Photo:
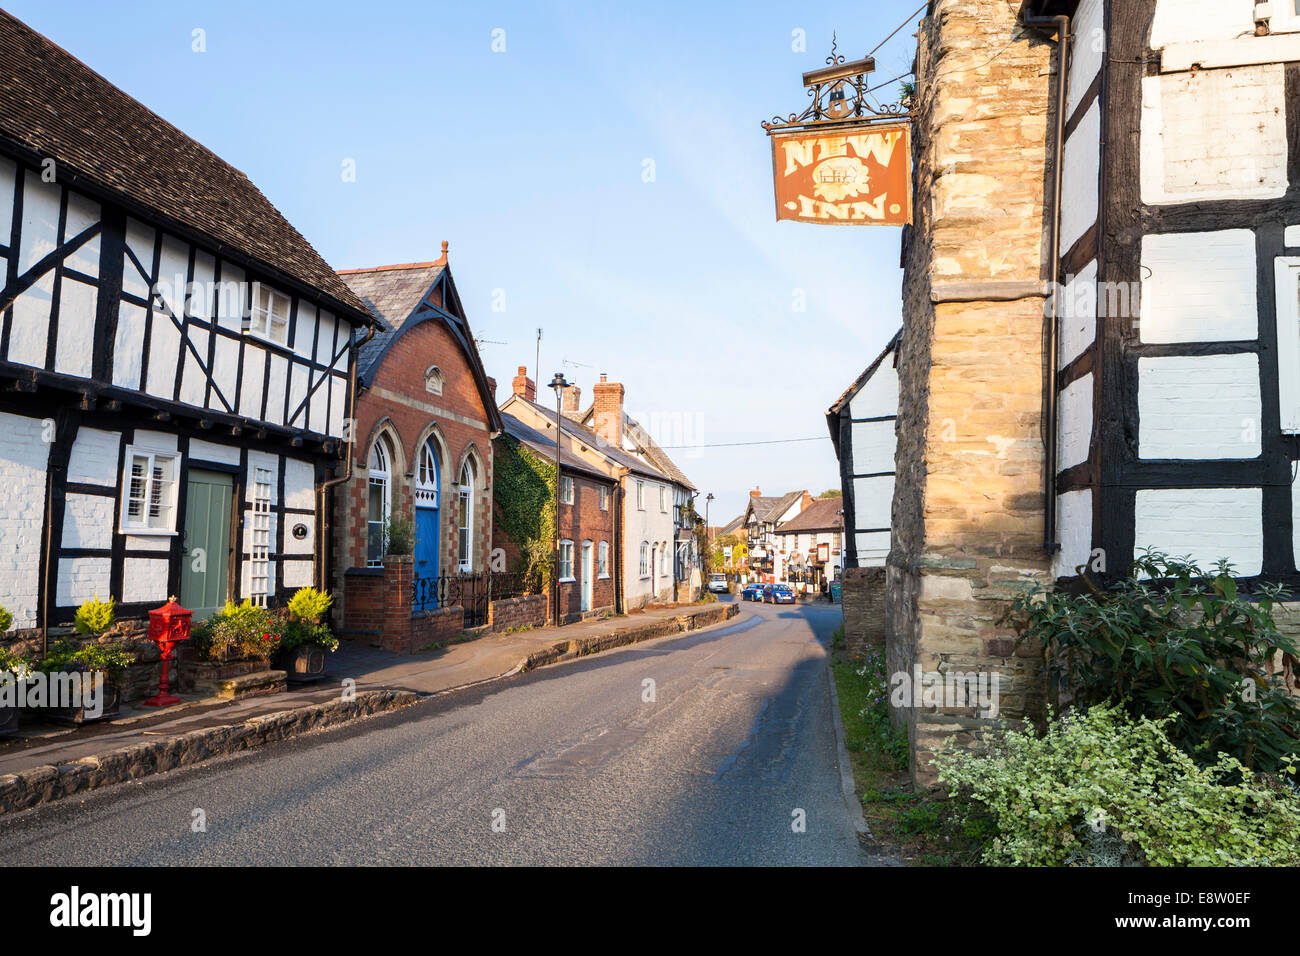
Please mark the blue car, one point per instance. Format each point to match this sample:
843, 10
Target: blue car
778, 594
753, 592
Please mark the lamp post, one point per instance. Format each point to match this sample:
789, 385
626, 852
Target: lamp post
559, 384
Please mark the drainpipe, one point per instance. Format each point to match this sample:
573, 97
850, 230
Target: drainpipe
326, 486
1060, 27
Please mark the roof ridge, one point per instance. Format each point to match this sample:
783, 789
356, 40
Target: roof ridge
403, 265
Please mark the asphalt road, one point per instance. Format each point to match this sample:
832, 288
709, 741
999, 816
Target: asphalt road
717, 762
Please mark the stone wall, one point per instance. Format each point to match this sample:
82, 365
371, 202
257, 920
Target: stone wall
862, 595
968, 503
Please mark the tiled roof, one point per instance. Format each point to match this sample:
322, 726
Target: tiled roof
732, 526
391, 293
53, 105
822, 515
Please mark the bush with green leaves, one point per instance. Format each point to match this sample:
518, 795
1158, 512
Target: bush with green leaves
1064, 797
298, 632
6, 620
95, 616
11, 662
238, 631
399, 536
1172, 639
308, 604
66, 656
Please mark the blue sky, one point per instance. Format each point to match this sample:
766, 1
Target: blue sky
532, 163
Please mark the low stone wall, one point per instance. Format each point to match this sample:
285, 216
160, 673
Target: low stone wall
862, 594
511, 614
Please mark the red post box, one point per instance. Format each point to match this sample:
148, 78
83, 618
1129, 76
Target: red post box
168, 625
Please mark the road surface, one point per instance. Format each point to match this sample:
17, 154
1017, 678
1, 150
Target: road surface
712, 748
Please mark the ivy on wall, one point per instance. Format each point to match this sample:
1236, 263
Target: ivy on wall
523, 491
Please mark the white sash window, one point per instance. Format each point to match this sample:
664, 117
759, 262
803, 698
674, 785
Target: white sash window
566, 561
465, 520
379, 504
602, 560
270, 316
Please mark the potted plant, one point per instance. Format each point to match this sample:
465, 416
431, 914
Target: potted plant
13, 671
87, 659
306, 636
239, 639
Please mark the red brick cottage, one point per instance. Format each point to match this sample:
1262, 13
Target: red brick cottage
425, 419
588, 527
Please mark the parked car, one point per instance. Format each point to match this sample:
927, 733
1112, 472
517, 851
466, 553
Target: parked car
778, 594
718, 583
753, 592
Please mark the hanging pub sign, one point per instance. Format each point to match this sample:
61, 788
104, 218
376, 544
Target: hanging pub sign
846, 160
855, 178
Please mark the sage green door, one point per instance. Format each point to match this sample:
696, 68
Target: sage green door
206, 561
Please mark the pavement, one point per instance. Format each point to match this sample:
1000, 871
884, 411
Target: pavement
716, 746
458, 665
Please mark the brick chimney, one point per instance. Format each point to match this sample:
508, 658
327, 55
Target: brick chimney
756, 493
807, 501
523, 386
492, 386
572, 398
607, 418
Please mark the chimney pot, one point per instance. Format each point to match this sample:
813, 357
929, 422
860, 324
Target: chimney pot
756, 493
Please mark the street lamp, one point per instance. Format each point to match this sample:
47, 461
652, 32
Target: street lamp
559, 384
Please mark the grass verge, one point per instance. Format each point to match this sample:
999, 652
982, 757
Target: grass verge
924, 829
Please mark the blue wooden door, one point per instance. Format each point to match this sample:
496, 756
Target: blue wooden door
426, 552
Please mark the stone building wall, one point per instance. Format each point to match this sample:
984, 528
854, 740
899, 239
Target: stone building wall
968, 504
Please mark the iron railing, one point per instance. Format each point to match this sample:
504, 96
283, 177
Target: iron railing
472, 592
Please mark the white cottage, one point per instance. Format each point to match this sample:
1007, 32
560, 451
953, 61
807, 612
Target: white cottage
175, 359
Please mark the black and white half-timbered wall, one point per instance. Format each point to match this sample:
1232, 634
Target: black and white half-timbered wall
1178, 404
175, 359
862, 423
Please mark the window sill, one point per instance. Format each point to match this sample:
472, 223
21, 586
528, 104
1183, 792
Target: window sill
147, 532
602, 577
567, 581
268, 340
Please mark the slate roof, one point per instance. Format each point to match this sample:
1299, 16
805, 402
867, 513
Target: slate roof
732, 526
391, 293
657, 456
53, 105
822, 515
543, 443
594, 441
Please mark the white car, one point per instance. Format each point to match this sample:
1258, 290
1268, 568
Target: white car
718, 583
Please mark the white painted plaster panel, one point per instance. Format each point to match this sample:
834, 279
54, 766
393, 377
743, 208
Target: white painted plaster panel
1076, 422
1205, 406
40, 235
874, 445
81, 579
94, 457
1082, 168
1189, 21
144, 579
1214, 134
298, 574
1199, 287
24, 455
74, 352
1078, 314
1205, 523
201, 450
87, 521
29, 332
128, 346
1086, 51
873, 499
1073, 531
299, 484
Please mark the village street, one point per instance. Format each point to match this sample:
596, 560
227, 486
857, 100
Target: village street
570, 761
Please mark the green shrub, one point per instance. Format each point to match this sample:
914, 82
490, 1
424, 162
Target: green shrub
307, 632
1171, 639
95, 616
238, 631
6, 620
66, 656
1103, 786
14, 663
400, 536
308, 604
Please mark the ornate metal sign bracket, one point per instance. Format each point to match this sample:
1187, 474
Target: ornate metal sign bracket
840, 97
